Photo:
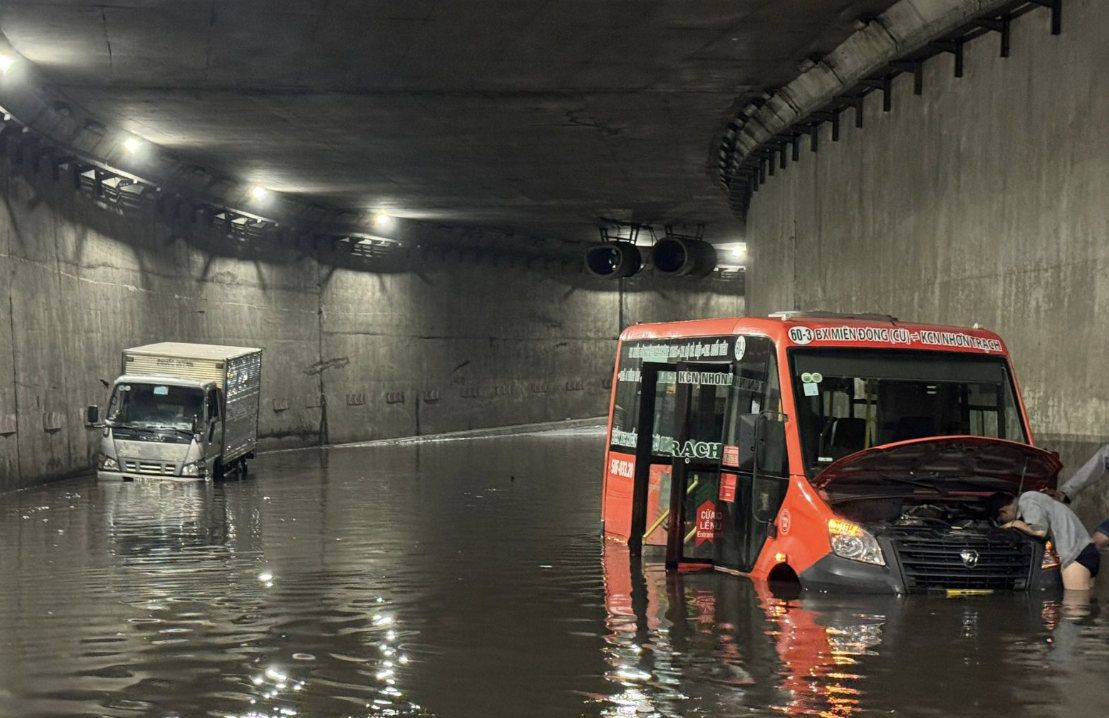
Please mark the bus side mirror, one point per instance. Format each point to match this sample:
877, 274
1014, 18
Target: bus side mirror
748, 441
92, 416
762, 443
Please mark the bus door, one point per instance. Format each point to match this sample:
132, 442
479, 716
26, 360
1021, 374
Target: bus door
695, 413
754, 475
652, 470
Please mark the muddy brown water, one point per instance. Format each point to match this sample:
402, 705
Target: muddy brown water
466, 578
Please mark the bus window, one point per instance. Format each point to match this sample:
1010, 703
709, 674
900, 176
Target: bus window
708, 401
625, 410
757, 387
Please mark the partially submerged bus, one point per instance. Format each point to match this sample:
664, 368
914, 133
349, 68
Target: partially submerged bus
848, 452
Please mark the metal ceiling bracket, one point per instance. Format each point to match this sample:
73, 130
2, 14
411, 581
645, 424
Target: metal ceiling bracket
782, 158
955, 47
1002, 25
856, 103
1056, 14
812, 129
917, 68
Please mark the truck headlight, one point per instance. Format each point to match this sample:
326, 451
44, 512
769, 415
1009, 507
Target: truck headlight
106, 463
851, 541
196, 468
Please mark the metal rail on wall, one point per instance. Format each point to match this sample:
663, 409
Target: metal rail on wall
743, 175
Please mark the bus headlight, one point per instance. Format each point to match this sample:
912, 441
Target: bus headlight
194, 469
851, 541
106, 463
1050, 559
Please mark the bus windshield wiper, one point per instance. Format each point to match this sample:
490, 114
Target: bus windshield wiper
914, 482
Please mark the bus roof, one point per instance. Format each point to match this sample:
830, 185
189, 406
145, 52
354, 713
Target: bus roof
825, 329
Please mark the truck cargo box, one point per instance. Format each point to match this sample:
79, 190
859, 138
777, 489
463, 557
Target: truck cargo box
237, 370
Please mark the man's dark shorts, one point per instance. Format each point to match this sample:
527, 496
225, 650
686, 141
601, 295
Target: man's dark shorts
1090, 558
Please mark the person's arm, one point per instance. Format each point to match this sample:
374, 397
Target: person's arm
1025, 528
1033, 520
1086, 474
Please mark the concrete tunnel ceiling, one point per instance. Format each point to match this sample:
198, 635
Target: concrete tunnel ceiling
543, 119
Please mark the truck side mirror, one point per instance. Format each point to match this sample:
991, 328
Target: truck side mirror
92, 415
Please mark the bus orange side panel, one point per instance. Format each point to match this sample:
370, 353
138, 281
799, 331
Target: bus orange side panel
802, 525
619, 480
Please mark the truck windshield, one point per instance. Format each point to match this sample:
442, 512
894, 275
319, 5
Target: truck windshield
155, 406
850, 399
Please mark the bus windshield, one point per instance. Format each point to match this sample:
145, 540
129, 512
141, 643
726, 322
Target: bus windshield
851, 399
155, 406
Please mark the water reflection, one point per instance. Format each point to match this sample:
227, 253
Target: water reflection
707, 643
162, 599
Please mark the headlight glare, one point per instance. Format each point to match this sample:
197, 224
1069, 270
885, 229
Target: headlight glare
106, 463
851, 541
196, 468
1050, 559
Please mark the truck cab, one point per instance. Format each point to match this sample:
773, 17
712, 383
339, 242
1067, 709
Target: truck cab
164, 427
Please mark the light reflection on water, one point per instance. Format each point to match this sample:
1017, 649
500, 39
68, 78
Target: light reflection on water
465, 578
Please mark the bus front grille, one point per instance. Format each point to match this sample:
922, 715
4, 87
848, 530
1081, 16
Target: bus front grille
973, 561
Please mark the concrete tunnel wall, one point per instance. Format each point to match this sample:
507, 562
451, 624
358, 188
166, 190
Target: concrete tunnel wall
421, 348
984, 200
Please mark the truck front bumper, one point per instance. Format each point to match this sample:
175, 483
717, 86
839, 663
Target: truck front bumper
102, 475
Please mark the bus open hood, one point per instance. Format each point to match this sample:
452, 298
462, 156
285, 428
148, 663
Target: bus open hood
945, 460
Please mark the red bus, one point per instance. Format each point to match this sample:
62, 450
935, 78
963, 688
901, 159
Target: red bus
848, 452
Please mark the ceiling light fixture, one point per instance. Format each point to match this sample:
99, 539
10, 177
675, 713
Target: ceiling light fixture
739, 251
6, 62
132, 145
382, 220
259, 193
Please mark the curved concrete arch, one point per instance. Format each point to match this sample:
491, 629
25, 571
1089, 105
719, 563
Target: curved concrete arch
62, 131
906, 27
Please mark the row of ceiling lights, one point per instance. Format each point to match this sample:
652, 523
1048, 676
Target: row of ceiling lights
134, 147
381, 220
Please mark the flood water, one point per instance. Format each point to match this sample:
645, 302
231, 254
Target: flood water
466, 578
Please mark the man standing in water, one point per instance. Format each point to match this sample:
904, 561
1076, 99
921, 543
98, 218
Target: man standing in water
1091, 471
1039, 515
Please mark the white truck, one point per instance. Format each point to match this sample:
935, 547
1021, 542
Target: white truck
183, 412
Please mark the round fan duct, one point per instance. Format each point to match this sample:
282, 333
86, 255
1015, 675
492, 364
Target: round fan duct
613, 260
683, 257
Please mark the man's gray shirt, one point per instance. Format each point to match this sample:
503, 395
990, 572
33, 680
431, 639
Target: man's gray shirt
1064, 530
